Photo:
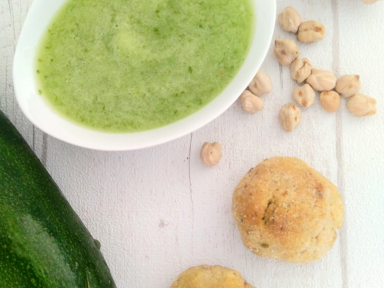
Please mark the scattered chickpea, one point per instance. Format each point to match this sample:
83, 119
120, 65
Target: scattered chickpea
322, 80
311, 32
348, 85
290, 20
304, 95
286, 51
250, 102
370, 1
210, 153
290, 117
261, 84
361, 105
330, 100
301, 70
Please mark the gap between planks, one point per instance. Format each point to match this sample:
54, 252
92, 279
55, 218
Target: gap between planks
339, 147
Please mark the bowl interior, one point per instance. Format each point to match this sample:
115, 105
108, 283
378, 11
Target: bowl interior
44, 117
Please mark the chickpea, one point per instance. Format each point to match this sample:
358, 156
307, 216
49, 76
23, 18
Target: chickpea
290, 20
304, 95
322, 80
330, 101
210, 153
290, 117
300, 70
311, 32
348, 85
251, 103
286, 51
362, 105
261, 84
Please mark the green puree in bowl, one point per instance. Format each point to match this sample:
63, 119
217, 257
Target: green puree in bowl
134, 65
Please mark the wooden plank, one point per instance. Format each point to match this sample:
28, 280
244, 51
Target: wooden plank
138, 204
12, 15
361, 52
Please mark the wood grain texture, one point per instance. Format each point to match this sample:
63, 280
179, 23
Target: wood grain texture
159, 211
363, 154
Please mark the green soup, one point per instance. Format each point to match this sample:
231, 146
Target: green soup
134, 65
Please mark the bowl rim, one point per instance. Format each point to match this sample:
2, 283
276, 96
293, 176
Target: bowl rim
46, 119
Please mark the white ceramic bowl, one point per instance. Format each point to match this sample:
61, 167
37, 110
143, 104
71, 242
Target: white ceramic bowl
44, 117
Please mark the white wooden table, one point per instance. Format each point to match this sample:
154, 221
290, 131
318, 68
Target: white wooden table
159, 211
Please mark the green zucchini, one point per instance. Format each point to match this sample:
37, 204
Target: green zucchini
43, 243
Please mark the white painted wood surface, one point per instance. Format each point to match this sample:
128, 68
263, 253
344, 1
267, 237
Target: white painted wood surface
159, 211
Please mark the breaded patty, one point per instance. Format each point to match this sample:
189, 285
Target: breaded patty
288, 211
205, 276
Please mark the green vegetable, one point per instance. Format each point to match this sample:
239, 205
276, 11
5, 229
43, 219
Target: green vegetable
43, 243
